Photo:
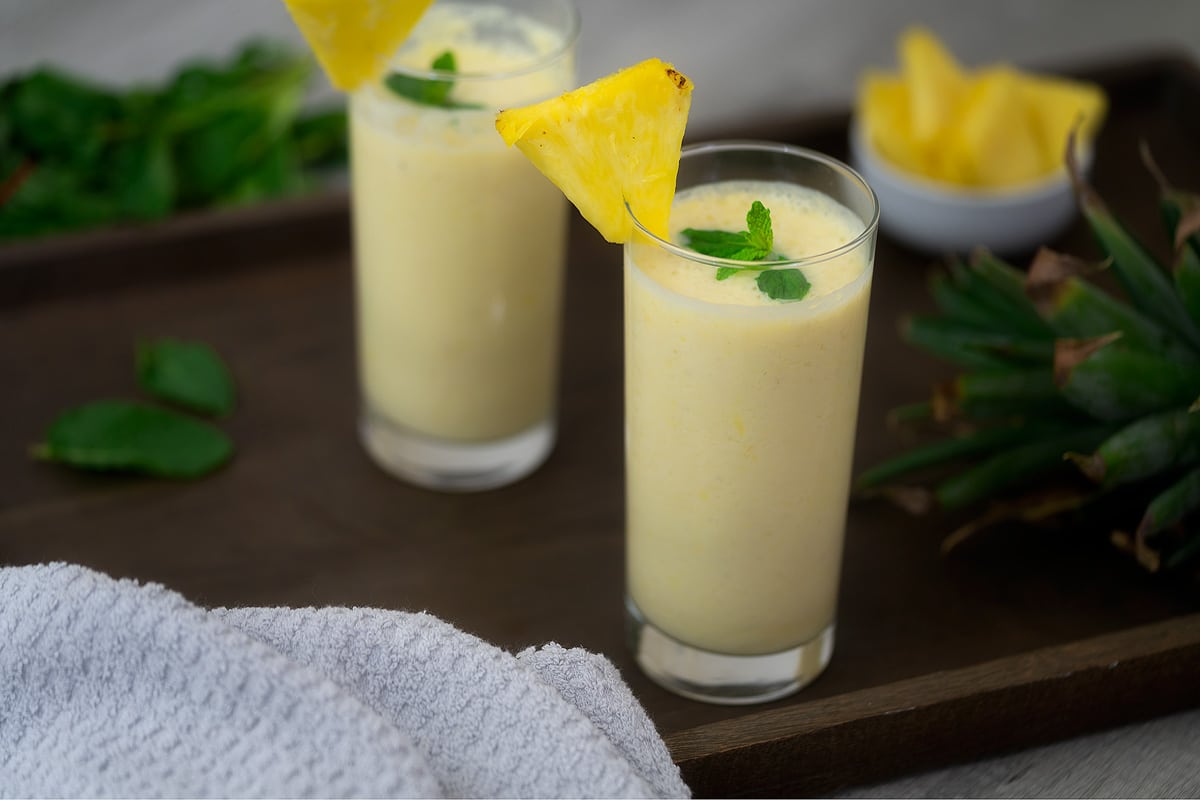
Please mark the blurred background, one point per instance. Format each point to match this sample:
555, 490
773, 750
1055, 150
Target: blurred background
747, 58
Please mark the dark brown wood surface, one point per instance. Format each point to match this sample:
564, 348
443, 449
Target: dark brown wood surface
1022, 637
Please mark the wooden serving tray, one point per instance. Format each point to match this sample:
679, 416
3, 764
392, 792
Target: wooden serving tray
1022, 637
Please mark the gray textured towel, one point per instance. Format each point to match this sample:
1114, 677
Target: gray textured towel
112, 688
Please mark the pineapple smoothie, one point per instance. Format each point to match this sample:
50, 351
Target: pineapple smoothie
743, 358
740, 423
459, 251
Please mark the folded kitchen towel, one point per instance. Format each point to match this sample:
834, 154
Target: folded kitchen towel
111, 688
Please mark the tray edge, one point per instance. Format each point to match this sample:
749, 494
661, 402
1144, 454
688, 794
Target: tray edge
951, 716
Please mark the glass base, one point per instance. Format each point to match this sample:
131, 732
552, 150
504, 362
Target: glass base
452, 466
724, 679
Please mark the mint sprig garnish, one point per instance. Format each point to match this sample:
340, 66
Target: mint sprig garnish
429, 91
752, 244
756, 243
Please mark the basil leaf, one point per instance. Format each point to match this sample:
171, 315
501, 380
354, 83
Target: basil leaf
783, 284
189, 374
114, 435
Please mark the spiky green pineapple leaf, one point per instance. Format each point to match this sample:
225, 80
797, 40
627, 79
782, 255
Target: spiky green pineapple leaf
1111, 382
1059, 378
1144, 280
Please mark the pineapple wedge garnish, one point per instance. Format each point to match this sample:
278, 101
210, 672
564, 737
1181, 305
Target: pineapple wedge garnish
611, 142
354, 39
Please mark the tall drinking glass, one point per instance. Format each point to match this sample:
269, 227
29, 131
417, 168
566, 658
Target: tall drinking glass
740, 422
459, 247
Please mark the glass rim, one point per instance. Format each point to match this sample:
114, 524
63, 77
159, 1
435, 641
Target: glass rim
570, 37
726, 145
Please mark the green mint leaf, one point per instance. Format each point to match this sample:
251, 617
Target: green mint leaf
753, 244
445, 62
719, 244
188, 374
726, 272
429, 91
418, 90
723, 244
783, 284
758, 224
114, 435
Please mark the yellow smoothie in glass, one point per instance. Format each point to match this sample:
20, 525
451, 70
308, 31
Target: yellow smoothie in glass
459, 249
740, 419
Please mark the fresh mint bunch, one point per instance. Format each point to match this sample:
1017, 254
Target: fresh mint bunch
756, 243
75, 155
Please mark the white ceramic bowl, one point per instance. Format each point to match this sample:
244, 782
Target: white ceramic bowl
939, 218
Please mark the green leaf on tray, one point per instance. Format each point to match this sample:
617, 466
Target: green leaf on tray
119, 436
188, 374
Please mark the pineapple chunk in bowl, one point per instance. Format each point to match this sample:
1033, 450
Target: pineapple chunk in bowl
938, 217
962, 156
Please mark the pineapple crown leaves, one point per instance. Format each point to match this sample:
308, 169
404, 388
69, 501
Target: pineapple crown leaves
1179, 208
1050, 274
1066, 385
1070, 354
1142, 278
